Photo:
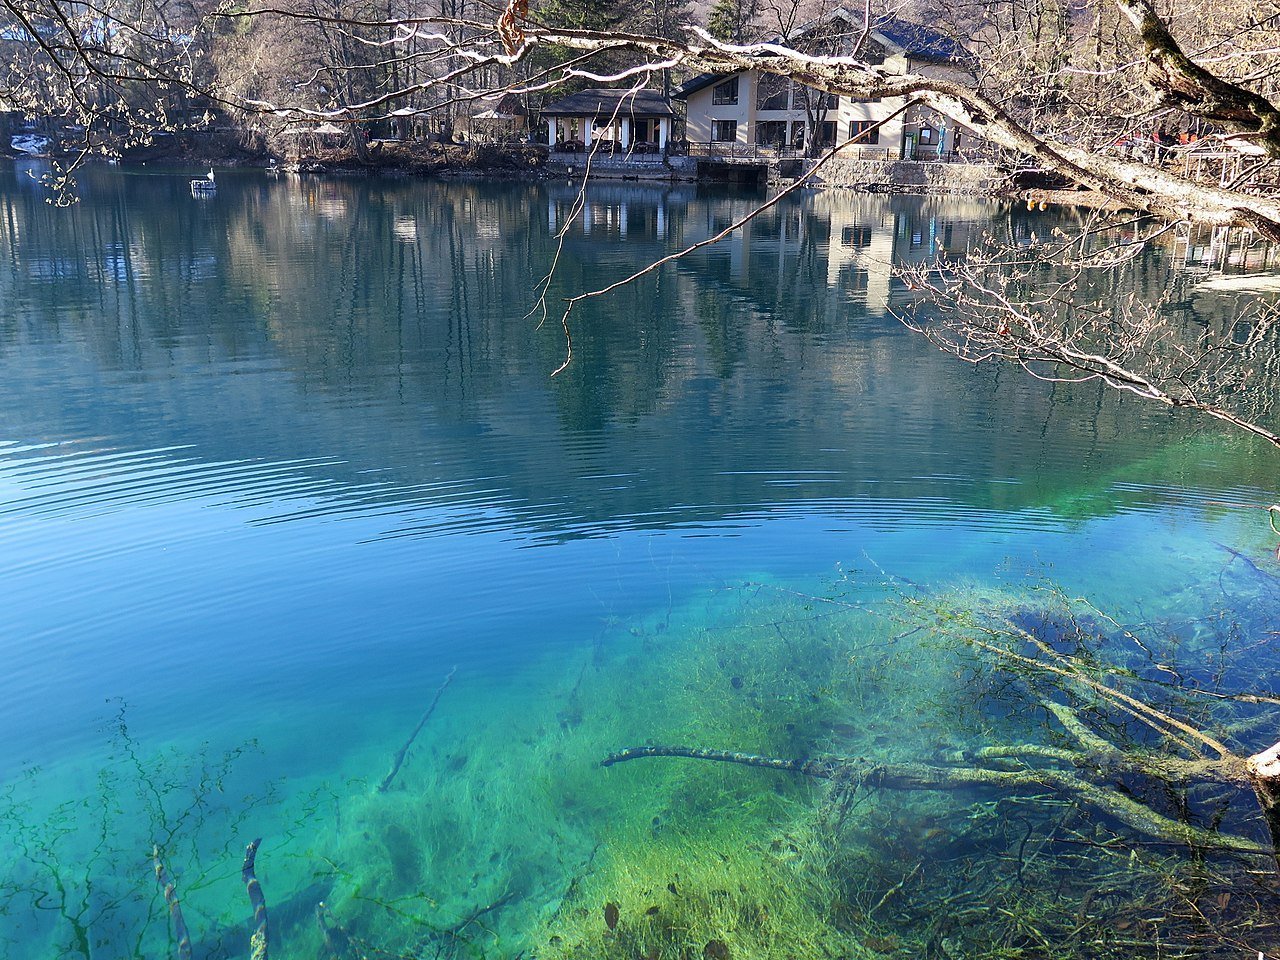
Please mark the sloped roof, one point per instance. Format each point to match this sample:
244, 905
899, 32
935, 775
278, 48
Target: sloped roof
606, 101
507, 107
915, 40
700, 82
918, 41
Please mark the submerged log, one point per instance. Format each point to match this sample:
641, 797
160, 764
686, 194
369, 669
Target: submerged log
258, 941
823, 769
175, 908
920, 776
291, 913
1264, 773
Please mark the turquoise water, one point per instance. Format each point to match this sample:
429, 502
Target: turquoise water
274, 463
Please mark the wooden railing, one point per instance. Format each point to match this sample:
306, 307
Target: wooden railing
610, 150
735, 150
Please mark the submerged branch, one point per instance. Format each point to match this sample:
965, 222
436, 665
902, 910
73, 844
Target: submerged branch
822, 769
919, 776
258, 941
398, 760
175, 908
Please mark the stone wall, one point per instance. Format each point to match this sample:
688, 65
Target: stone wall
911, 176
609, 168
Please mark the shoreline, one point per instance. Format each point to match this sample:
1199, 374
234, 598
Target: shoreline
533, 162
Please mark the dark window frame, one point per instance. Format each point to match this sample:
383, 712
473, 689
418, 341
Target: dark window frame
771, 133
718, 128
773, 92
725, 94
870, 133
815, 99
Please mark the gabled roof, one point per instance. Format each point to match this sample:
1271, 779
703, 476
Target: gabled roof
605, 101
508, 107
918, 41
913, 40
700, 82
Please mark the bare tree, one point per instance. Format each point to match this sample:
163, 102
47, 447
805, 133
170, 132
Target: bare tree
460, 52
1050, 307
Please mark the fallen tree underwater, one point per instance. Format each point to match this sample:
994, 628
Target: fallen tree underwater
1091, 770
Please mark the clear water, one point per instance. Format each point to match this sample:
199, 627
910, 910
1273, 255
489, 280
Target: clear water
273, 463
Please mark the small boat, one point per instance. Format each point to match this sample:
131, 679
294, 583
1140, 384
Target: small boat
204, 186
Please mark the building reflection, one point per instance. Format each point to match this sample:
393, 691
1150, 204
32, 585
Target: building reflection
387, 326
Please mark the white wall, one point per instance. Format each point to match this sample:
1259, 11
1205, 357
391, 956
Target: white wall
701, 111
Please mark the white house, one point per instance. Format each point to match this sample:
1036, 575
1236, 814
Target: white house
750, 109
634, 121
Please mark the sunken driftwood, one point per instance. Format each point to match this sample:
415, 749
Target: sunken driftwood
1086, 771
921, 776
258, 941
175, 908
398, 761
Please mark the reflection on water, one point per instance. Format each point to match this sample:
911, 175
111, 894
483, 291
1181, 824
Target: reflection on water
272, 463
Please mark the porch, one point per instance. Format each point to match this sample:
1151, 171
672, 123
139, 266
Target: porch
628, 124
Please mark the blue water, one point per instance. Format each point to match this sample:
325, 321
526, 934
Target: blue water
273, 463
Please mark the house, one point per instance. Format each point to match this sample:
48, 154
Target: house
626, 120
751, 111
504, 122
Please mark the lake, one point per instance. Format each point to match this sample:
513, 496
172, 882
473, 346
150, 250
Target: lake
301, 539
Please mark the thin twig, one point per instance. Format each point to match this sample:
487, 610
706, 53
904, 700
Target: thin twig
398, 761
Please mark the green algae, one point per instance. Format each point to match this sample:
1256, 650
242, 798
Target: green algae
513, 809
707, 893
503, 836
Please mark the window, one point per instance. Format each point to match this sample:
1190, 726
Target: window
816, 99
864, 131
771, 133
771, 92
724, 131
853, 279
725, 93
855, 236
827, 133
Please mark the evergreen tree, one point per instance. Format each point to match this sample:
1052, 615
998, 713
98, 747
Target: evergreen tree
730, 20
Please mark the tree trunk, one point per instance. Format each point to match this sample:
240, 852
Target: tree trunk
1264, 775
919, 776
